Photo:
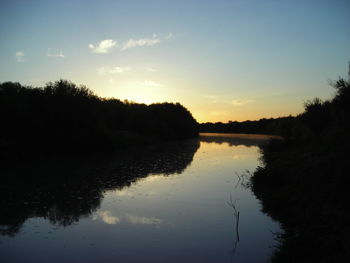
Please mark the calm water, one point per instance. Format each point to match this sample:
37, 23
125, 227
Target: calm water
159, 204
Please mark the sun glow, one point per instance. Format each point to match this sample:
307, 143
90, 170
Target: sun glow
146, 92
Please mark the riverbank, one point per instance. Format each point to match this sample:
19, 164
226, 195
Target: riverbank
303, 182
306, 192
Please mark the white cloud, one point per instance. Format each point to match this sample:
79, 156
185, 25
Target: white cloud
19, 56
241, 102
55, 55
106, 217
131, 43
104, 46
113, 70
149, 83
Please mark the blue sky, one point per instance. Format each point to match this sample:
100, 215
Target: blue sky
223, 60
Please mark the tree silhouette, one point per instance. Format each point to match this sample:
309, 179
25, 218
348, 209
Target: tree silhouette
64, 118
303, 183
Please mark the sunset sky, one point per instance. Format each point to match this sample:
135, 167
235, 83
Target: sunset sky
223, 60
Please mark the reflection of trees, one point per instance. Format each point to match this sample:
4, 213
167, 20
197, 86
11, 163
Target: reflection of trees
236, 139
67, 189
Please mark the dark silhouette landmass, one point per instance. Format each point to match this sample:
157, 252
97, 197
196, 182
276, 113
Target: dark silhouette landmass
64, 189
304, 182
277, 126
64, 118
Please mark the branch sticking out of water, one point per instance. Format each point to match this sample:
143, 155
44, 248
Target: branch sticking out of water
236, 214
239, 179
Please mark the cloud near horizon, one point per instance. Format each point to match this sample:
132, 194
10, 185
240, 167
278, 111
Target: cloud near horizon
113, 70
53, 55
104, 46
19, 56
242, 102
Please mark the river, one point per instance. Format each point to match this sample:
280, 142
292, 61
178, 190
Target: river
177, 202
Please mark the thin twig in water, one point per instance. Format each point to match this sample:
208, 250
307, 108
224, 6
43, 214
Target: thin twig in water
236, 214
239, 179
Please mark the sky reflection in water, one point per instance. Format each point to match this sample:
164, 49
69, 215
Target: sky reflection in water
179, 217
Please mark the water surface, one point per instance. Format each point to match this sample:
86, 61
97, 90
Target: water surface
166, 203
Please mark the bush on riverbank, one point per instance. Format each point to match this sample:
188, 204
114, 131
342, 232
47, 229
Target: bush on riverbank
303, 183
64, 118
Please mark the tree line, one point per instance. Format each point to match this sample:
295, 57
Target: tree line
319, 117
304, 181
62, 117
275, 126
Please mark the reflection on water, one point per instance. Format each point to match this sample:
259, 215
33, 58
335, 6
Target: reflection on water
162, 203
236, 139
65, 190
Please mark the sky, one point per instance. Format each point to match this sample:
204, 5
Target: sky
223, 60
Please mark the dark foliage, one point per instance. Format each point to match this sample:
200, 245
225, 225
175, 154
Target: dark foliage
65, 118
278, 126
304, 182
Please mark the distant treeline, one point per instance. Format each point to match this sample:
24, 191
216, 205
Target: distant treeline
63, 117
304, 182
277, 126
